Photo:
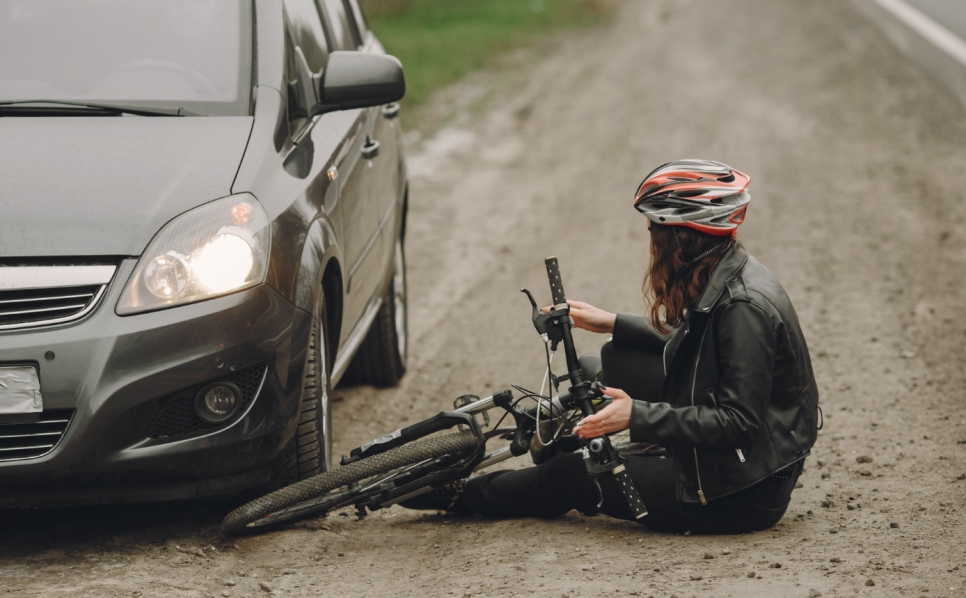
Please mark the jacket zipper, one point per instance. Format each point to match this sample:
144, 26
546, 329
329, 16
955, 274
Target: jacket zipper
694, 380
741, 455
664, 358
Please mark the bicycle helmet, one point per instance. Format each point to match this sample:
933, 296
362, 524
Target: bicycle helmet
707, 196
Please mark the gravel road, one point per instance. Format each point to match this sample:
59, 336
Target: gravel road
857, 166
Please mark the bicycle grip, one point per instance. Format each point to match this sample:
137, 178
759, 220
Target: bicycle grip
630, 492
556, 284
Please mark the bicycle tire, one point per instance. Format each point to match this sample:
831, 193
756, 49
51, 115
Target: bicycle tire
242, 520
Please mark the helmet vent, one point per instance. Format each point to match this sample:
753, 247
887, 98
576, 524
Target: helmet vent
728, 178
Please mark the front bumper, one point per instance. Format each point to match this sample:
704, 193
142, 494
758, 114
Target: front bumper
118, 373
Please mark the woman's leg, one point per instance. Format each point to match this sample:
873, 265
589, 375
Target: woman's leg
562, 484
756, 508
550, 489
637, 372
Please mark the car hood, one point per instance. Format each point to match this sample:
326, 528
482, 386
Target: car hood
89, 186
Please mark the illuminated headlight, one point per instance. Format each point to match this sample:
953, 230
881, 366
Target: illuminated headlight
218, 248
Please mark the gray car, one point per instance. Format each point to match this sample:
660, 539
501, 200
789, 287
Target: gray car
202, 210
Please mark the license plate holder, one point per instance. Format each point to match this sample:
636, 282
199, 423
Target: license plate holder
20, 392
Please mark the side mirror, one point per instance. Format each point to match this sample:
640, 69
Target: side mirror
358, 80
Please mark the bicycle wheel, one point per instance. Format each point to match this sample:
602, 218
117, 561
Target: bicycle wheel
330, 490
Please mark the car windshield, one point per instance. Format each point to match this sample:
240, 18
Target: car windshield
190, 54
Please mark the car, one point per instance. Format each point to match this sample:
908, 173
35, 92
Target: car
203, 228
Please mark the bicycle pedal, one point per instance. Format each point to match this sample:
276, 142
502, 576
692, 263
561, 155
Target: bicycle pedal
464, 400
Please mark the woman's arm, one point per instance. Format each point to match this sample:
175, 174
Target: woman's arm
591, 318
630, 330
745, 349
588, 317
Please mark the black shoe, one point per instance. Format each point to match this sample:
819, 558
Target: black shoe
441, 498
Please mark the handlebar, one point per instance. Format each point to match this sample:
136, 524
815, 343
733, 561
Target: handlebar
556, 283
600, 454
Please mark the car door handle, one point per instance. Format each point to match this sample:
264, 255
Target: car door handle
371, 149
391, 110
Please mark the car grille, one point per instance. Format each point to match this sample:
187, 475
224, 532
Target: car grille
33, 439
32, 296
178, 418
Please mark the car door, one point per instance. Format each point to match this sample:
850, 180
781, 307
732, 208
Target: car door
386, 133
346, 131
357, 156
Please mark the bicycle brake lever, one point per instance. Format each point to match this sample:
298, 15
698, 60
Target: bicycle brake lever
533, 302
539, 319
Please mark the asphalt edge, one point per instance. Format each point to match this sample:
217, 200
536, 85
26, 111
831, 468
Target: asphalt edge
937, 50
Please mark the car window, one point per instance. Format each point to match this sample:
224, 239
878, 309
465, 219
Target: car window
344, 38
191, 54
305, 26
359, 19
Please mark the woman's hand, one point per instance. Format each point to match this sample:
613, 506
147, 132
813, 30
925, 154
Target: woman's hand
612, 418
590, 318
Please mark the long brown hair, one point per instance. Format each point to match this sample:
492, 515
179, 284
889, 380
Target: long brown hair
682, 260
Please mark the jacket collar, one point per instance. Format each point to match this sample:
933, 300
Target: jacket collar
730, 264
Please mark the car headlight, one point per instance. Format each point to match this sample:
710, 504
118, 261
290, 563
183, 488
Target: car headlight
215, 249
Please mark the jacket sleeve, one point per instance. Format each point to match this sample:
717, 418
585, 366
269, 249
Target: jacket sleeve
746, 345
636, 332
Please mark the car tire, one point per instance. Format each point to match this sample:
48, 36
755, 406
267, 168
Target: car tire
310, 451
381, 359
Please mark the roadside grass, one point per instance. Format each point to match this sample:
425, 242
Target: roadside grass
441, 41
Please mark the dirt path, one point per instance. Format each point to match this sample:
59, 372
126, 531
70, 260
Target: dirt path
857, 163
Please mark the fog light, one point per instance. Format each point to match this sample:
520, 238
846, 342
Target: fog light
217, 403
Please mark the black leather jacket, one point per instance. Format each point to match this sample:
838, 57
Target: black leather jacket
741, 396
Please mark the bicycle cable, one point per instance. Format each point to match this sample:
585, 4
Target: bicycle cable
548, 375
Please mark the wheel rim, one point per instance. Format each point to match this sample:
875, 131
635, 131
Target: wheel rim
399, 300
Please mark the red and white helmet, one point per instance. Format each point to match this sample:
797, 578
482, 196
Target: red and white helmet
707, 196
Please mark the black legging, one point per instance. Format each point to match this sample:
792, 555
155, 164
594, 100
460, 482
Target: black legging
561, 483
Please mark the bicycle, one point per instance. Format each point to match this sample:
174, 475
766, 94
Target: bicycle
410, 461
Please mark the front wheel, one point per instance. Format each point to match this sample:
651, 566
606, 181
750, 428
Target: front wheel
310, 450
381, 359
344, 486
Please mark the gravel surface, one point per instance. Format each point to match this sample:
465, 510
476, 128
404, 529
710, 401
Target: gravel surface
857, 166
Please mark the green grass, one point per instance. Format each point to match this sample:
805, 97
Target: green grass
440, 41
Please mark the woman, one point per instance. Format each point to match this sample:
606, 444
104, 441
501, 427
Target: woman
719, 374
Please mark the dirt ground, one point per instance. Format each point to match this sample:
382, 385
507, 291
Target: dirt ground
857, 165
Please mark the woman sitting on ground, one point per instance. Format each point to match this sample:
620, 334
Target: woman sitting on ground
719, 374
